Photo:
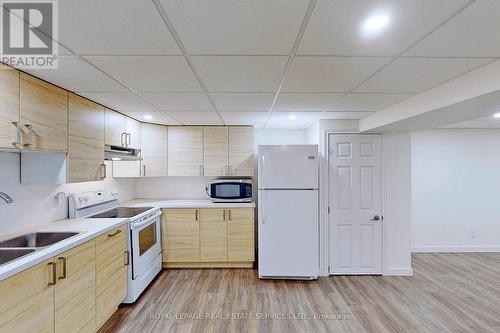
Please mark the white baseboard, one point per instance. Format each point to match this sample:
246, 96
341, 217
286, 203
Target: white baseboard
423, 249
398, 272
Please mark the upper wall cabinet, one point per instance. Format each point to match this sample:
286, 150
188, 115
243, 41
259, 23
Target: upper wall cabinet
241, 151
121, 130
154, 150
85, 140
185, 151
44, 115
115, 128
9, 107
215, 151
133, 133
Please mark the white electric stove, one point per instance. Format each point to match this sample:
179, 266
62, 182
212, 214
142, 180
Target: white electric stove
143, 238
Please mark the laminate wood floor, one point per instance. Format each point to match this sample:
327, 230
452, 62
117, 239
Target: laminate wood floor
453, 292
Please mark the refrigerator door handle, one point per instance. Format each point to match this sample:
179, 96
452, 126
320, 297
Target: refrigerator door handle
262, 208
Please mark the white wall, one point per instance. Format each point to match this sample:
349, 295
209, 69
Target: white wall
456, 190
34, 205
397, 204
278, 137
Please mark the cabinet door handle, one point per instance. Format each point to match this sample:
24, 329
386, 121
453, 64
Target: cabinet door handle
64, 263
229, 212
122, 142
144, 170
114, 233
224, 215
196, 215
127, 260
30, 135
104, 171
54, 273
201, 170
18, 134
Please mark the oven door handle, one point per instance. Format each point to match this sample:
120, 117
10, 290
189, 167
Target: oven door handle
140, 224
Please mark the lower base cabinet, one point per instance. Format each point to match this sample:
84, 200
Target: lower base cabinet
76, 291
208, 237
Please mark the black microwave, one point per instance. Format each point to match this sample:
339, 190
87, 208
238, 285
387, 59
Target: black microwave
230, 190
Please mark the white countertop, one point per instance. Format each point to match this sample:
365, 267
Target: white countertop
185, 203
88, 228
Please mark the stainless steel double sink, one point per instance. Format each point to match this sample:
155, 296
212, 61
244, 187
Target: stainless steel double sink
15, 248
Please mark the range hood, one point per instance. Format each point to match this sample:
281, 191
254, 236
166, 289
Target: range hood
117, 153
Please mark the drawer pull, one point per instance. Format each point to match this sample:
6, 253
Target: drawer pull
54, 273
64, 273
113, 234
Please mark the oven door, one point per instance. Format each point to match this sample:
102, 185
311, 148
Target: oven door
146, 244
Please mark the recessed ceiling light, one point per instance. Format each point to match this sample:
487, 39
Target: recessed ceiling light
497, 115
292, 117
148, 117
375, 24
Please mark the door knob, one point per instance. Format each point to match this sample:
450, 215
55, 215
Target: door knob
375, 218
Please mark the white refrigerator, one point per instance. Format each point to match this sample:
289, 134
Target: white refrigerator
288, 211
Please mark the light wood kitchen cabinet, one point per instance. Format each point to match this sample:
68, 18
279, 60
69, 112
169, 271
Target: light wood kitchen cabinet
154, 150
75, 290
241, 151
185, 151
27, 300
181, 235
208, 237
133, 133
85, 140
43, 115
240, 234
112, 260
215, 150
114, 128
9, 107
213, 235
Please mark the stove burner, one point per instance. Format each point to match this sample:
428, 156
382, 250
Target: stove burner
121, 212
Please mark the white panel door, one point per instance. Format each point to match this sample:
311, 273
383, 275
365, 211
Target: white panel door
292, 166
288, 233
355, 192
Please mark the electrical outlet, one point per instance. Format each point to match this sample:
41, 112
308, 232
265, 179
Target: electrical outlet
473, 234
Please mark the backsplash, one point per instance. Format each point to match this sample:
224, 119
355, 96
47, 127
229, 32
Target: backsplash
35, 205
172, 187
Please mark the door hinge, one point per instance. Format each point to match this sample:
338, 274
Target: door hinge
382, 217
328, 209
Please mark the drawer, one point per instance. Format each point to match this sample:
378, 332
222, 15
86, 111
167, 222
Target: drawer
111, 247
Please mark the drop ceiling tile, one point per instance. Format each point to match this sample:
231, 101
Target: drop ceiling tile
178, 101
472, 33
236, 27
149, 73
330, 74
156, 117
110, 27
240, 73
305, 101
368, 102
256, 119
242, 101
120, 101
196, 117
75, 74
283, 120
334, 28
414, 75
343, 115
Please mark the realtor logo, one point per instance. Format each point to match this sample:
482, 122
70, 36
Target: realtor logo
29, 31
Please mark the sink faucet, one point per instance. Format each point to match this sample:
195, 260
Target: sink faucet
6, 197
